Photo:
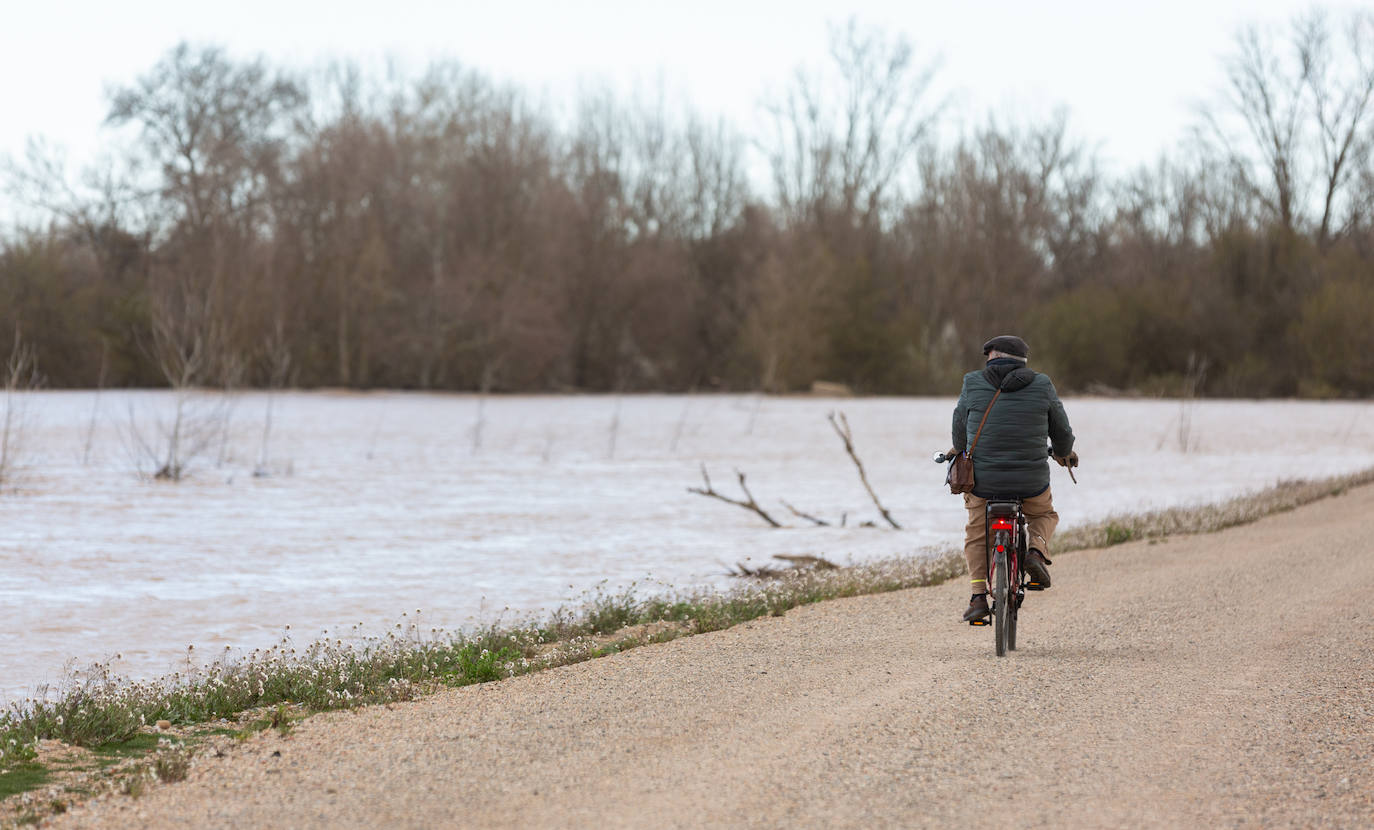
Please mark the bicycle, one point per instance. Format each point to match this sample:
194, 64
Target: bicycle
1008, 541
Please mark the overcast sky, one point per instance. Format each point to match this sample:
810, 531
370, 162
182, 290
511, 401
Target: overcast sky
1129, 73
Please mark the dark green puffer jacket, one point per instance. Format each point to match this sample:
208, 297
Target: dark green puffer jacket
1010, 457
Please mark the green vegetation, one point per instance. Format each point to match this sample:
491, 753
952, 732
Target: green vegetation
1116, 534
22, 777
140, 744
283, 684
172, 765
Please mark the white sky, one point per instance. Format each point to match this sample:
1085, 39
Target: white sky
1129, 73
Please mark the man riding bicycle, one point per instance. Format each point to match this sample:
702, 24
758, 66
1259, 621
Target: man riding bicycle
1009, 460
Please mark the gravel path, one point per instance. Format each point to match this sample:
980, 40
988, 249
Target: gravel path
1219, 680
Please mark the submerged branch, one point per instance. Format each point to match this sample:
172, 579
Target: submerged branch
751, 504
807, 516
841, 425
796, 563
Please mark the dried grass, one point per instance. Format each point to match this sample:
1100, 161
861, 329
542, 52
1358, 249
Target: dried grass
1282, 497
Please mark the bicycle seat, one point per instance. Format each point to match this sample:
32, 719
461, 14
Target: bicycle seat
1003, 508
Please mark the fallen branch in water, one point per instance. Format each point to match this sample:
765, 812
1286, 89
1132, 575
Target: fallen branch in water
796, 562
751, 504
803, 560
807, 516
761, 572
841, 425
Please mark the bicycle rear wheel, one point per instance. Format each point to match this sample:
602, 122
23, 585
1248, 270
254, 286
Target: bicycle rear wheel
1013, 610
1002, 608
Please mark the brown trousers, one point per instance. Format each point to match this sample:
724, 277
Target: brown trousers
1041, 520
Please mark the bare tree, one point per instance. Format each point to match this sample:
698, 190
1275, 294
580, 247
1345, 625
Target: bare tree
1298, 113
184, 344
1341, 87
1268, 97
843, 138
216, 131
214, 126
21, 375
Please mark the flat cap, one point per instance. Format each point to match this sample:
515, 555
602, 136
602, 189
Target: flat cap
1008, 344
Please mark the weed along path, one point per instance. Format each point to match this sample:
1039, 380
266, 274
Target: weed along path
1223, 679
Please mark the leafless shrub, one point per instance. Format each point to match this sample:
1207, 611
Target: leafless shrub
188, 346
21, 375
164, 446
1192, 383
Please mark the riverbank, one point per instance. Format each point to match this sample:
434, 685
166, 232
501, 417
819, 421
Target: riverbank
1205, 680
279, 686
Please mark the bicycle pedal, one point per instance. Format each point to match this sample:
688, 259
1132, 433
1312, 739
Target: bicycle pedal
983, 621
1034, 586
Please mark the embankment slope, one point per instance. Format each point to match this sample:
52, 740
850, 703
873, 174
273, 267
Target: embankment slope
1223, 679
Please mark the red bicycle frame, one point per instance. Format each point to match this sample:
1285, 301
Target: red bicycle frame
996, 545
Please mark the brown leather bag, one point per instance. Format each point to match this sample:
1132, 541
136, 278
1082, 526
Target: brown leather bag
960, 475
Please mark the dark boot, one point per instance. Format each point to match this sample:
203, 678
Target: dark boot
1037, 569
977, 608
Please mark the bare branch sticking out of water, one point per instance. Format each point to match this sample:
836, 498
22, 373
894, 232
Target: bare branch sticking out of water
21, 375
681, 423
795, 562
807, 516
710, 492
95, 406
166, 449
615, 430
754, 415
803, 560
479, 422
841, 425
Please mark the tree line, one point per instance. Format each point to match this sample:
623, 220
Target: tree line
251, 226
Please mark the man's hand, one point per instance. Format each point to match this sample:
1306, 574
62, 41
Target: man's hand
1071, 460
951, 453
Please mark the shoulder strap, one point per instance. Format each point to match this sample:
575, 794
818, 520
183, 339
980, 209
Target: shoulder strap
977, 434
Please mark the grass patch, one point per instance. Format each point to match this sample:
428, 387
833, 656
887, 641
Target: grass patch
23, 777
140, 744
1158, 524
1115, 534
284, 683
172, 765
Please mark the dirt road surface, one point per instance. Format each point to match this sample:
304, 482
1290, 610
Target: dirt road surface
1224, 680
